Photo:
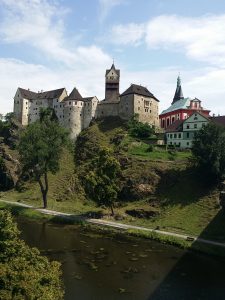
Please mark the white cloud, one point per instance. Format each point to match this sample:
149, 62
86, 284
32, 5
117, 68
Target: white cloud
16, 73
40, 24
200, 38
130, 34
106, 6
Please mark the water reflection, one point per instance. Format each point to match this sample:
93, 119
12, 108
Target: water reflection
96, 267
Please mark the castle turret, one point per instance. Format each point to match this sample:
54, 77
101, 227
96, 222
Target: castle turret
112, 84
178, 94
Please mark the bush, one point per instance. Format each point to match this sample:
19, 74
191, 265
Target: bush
209, 151
150, 148
24, 273
140, 130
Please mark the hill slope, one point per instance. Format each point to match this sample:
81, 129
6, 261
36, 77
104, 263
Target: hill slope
157, 189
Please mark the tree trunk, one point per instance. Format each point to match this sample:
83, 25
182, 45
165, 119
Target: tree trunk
44, 196
44, 189
112, 210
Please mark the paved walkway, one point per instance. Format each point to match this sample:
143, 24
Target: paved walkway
118, 225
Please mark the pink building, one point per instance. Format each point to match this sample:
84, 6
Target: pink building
181, 108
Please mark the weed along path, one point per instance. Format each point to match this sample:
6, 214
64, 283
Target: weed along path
117, 225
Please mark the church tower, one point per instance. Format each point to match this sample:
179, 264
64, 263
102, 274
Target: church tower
179, 93
112, 84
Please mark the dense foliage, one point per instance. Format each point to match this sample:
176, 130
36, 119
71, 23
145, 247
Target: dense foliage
40, 148
24, 274
5, 125
140, 130
209, 151
101, 182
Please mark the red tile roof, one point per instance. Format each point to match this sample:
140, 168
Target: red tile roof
176, 126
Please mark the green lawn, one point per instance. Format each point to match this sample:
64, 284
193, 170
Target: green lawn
141, 149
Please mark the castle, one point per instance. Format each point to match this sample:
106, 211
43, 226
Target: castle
76, 112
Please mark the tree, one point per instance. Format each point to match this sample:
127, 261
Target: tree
209, 151
24, 273
40, 149
101, 182
139, 129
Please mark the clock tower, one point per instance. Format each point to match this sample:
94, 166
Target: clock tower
112, 84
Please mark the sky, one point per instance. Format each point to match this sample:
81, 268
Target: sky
49, 44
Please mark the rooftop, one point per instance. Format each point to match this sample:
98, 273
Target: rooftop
219, 120
27, 94
175, 126
138, 90
180, 104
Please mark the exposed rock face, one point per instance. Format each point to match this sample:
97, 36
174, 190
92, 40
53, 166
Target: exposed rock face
9, 164
9, 169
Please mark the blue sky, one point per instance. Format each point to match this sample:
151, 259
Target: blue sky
48, 44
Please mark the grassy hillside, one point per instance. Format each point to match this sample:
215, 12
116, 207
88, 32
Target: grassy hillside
158, 188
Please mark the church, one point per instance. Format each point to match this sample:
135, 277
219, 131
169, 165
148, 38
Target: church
181, 108
76, 112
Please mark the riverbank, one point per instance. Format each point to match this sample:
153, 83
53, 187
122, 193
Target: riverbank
116, 228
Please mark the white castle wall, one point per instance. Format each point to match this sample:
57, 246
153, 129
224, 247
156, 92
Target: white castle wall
21, 108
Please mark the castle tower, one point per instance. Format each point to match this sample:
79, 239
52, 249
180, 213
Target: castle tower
178, 94
112, 84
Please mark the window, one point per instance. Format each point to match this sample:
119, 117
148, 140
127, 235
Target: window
171, 136
187, 143
179, 136
195, 126
188, 126
138, 108
175, 135
168, 135
70, 108
187, 135
146, 103
69, 103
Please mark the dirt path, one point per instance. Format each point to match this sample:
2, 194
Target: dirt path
119, 225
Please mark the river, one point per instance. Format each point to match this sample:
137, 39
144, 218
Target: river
97, 267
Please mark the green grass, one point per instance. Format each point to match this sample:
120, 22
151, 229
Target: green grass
141, 149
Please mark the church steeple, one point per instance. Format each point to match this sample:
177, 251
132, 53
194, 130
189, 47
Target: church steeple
178, 94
